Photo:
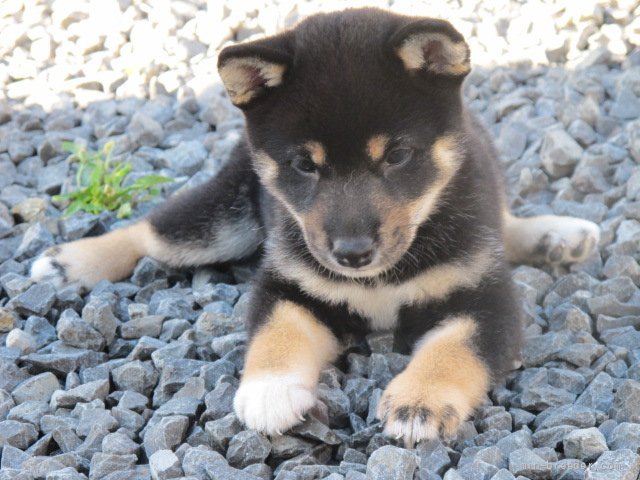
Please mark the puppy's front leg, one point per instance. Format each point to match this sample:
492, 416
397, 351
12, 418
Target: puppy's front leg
282, 367
444, 382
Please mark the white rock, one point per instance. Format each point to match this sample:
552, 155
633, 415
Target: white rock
164, 464
21, 340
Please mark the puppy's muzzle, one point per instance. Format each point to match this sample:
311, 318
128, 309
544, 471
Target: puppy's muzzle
353, 252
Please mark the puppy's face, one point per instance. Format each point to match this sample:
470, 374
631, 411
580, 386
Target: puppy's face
351, 118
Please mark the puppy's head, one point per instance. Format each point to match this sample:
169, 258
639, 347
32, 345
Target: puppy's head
352, 119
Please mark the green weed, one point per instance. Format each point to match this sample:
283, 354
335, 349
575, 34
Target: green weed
99, 183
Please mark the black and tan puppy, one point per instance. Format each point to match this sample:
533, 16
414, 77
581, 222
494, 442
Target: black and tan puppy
377, 197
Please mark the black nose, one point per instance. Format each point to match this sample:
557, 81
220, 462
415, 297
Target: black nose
353, 251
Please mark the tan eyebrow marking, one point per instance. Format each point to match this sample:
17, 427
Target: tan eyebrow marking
317, 152
376, 146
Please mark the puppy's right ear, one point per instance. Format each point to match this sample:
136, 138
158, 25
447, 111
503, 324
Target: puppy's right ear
252, 70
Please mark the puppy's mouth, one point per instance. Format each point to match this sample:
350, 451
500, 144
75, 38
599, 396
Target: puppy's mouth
375, 268
379, 264
359, 256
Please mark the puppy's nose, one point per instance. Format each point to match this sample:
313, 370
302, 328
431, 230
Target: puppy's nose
353, 252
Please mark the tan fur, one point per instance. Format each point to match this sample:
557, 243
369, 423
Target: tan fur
445, 154
411, 52
445, 377
376, 147
548, 239
111, 256
381, 304
459, 69
291, 340
317, 152
267, 169
237, 79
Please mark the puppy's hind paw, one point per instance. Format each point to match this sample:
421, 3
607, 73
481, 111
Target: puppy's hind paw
47, 268
87, 261
570, 240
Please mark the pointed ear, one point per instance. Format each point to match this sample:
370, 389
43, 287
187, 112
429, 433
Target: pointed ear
432, 46
251, 70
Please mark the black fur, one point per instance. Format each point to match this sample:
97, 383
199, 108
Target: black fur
229, 197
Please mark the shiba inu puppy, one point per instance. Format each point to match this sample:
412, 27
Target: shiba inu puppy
377, 198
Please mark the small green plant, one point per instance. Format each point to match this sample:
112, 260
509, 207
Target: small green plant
99, 183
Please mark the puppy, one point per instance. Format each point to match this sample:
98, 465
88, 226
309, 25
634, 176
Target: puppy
378, 201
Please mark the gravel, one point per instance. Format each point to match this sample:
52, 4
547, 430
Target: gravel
246, 448
391, 462
559, 153
618, 465
164, 464
585, 444
135, 380
38, 387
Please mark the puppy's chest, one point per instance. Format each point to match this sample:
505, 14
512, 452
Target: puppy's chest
378, 305
381, 304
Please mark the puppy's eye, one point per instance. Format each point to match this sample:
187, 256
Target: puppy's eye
398, 156
304, 165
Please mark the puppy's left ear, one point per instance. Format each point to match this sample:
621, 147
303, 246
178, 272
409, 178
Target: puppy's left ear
432, 47
252, 70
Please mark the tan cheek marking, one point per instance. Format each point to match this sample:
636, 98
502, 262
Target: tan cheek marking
376, 146
445, 379
291, 340
397, 214
445, 152
396, 231
311, 222
317, 152
267, 168
446, 156
313, 231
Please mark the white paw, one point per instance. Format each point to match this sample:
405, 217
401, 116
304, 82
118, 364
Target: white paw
272, 404
569, 240
84, 262
47, 268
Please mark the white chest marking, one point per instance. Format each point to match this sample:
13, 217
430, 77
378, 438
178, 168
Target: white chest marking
380, 304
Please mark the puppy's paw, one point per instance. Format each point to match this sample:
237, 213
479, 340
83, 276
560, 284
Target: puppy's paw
81, 262
415, 411
568, 240
52, 267
111, 256
272, 404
